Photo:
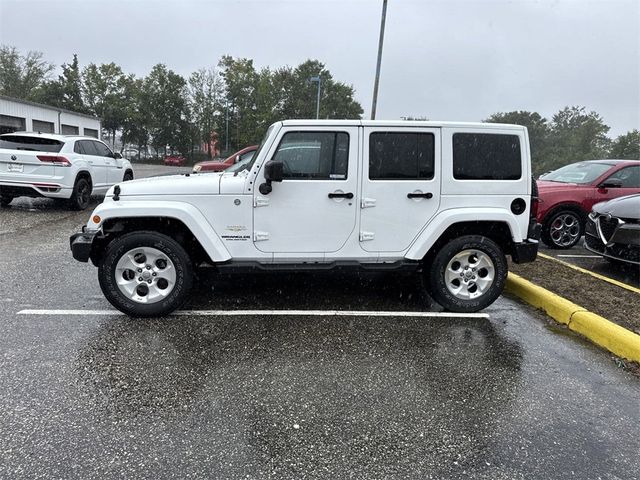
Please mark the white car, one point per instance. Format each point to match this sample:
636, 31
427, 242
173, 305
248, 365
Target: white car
448, 200
58, 166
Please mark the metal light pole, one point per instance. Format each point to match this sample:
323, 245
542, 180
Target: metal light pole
374, 104
319, 80
226, 134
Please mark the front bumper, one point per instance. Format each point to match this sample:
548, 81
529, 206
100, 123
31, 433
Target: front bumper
623, 244
82, 243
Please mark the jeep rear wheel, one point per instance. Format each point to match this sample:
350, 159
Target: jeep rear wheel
145, 274
467, 274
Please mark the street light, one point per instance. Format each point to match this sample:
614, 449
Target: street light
319, 80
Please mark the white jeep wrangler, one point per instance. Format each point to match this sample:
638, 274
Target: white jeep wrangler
449, 200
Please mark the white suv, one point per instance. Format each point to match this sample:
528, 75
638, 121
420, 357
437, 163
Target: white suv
448, 200
58, 166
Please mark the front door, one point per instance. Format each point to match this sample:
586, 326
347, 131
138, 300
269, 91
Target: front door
313, 210
400, 186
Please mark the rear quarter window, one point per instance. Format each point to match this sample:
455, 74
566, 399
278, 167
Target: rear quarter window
486, 156
33, 144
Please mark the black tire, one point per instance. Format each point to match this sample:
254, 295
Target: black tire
5, 199
127, 176
81, 195
562, 229
437, 280
169, 247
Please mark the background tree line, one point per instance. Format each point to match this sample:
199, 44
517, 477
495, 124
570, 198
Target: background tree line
238, 102
232, 103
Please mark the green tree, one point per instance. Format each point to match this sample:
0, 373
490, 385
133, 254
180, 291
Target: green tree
135, 124
627, 146
539, 134
164, 100
205, 90
104, 94
66, 91
22, 75
577, 135
255, 99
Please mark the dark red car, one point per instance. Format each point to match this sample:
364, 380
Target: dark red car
218, 166
567, 195
175, 160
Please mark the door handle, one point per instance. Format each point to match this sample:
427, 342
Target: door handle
341, 195
420, 195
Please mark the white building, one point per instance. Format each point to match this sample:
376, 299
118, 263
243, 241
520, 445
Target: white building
21, 115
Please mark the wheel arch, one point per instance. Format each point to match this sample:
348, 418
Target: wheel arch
84, 174
568, 205
182, 222
498, 224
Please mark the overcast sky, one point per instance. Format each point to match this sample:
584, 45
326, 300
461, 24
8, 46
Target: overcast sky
443, 59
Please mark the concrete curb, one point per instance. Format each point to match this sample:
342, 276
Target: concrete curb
618, 340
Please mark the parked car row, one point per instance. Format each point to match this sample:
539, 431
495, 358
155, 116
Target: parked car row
567, 195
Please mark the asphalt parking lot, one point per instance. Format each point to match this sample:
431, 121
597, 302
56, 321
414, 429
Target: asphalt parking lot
89, 393
583, 258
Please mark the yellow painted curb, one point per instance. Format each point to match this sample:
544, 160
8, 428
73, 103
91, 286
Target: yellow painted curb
555, 306
593, 274
618, 340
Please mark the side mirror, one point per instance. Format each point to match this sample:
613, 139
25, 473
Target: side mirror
273, 172
117, 156
611, 183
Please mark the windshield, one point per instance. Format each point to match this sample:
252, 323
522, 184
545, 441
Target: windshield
583, 172
255, 156
34, 144
241, 165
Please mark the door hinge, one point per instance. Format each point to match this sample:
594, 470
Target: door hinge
364, 236
367, 202
260, 236
260, 202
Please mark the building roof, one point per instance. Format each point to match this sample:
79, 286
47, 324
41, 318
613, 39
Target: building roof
48, 107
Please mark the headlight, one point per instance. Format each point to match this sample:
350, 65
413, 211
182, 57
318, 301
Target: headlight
197, 168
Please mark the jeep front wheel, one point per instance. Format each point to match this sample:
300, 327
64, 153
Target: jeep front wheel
145, 274
467, 274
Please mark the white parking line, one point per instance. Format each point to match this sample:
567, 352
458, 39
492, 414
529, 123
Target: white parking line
215, 313
579, 256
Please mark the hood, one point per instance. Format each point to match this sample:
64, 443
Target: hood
547, 186
622, 207
208, 184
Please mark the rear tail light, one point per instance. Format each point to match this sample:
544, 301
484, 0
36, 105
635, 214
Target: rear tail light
535, 203
55, 160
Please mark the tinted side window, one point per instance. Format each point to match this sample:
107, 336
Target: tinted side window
629, 176
314, 155
78, 147
88, 148
102, 149
401, 156
486, 156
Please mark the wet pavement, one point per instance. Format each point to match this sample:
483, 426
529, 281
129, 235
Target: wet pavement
268, 396
583, 258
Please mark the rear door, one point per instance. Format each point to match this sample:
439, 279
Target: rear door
106, 158
98, 168
400, 185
